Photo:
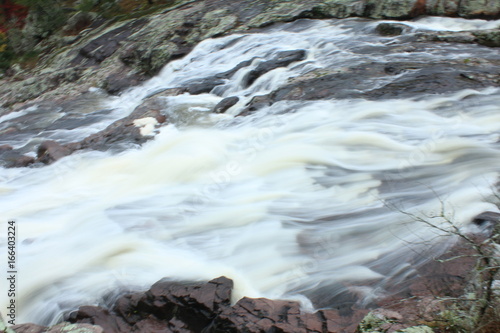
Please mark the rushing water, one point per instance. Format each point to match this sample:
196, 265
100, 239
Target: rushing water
290, 202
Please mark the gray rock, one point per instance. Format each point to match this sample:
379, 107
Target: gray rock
488, 37
225, 104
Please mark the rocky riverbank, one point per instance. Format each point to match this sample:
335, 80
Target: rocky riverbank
91, 52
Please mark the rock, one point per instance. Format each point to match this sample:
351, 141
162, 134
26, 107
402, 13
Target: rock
50, 151
118, 135
5, 148
94, 315
28, 328
390, 9
487, 9
488, 37
486, 217
204, 85
19, 161
435, 79
416, 79
282, 59
75, 328
338, 9
391, 29
256, 103
447, 36
59, 328
100, 48
442, 7
118, 82
188, 307
155, 103
78, 21
225, 104
217, 22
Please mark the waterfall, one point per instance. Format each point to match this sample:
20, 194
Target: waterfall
295, 201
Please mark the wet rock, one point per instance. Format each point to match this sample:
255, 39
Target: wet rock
118, 82
119, 134
204, 85
51, 151
391, 29
15, 159
95, 315
256, 103
282, 59
488, 37
206, 307
225, 104
435, 79
414, 79
5, 148
189, 307
486, 217
447, 36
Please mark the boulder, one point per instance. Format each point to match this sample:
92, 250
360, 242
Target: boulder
225, 104
102, 47
117, 82
14, 159
50, 151
391, 29
488, 37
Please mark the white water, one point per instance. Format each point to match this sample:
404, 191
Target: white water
289, 202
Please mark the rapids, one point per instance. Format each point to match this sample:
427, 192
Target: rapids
297, 201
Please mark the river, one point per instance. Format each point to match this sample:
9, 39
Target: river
300, 200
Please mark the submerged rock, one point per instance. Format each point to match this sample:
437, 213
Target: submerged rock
51, 151
282, 59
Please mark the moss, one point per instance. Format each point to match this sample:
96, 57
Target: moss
371, 323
